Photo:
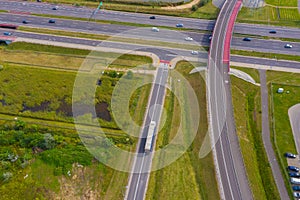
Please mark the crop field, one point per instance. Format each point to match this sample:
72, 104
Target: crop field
289, 3
189, 177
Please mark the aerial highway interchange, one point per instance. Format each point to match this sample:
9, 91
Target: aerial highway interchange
230, 170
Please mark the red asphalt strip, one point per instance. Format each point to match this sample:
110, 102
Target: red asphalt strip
226, 52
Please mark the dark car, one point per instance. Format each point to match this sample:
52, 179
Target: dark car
293, 168
296, 188
55, 8
38, 0
290, 155
272, 31
294, 174
25, 22
152, 17
7, 33
247, 39
51, 21
179, 25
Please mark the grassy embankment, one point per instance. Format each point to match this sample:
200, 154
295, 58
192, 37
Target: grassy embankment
247, 111
189, 177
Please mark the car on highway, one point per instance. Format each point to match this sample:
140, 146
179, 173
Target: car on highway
296, 188
294, 174
155, 29
25, 21
188, 39
289, 46
55, 8
179, 25
195, 52
51, 21
247, 39
272, 32
7, 33
293, 168
210, 37
152, 17
296, 194
289, 155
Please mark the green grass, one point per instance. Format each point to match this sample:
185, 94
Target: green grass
265, 55
269, 15
291, 3
189, 177
252, 72
247, 112
208, 11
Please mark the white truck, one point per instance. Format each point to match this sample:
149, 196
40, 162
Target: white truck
149, 139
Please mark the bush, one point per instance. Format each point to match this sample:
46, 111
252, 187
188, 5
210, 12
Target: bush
194, 8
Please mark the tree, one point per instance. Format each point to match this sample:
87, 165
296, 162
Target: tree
194, 8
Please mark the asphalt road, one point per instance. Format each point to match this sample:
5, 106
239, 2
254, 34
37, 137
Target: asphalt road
158, 51
164, 35
266, 136
82, 12
232, 178
138, 180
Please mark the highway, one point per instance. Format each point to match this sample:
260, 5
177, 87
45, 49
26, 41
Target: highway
158, 51
231, 173
164, 35
170, 21
138, 180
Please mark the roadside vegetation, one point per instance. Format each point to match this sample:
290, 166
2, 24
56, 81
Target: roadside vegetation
265, 55
46, 163
41, 154
247, 111
189, 177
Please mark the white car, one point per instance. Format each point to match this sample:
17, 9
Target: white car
155, 29
288, 46
195, 52
188, 39
297, 194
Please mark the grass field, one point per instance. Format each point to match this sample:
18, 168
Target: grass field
290, 3
266, 55
270, 15
189, 177
247, 112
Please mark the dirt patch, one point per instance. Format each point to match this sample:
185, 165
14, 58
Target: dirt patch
82, 109
43, 107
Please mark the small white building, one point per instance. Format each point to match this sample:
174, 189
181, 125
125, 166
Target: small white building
280, 90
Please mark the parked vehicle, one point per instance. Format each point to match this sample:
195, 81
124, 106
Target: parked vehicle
293, 168
290, 155
295, 181
294, 174
296, 187
296, 194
